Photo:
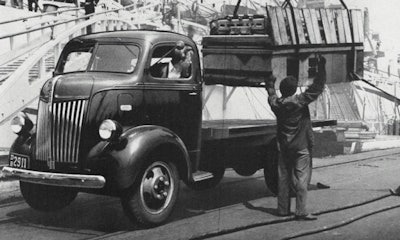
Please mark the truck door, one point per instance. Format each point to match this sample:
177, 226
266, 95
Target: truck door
173, 92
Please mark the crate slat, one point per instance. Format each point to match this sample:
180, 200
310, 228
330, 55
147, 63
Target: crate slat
291, 26
317, 31
355, 26
282, 26
325, 24
361, 25
332, 27
299, 25
275, 26
340, 24
346, 24
309, 26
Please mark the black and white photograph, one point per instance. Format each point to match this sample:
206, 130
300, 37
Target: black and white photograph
199, 119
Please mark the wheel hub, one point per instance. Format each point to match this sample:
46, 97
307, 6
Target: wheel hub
156, 187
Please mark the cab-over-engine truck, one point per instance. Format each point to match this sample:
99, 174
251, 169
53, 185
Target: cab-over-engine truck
110, 123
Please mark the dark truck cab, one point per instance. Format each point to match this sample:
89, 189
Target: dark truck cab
111, 122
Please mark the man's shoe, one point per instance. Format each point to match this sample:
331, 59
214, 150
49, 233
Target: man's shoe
308, 217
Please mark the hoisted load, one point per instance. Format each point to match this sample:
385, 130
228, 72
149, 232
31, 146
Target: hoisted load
243, 50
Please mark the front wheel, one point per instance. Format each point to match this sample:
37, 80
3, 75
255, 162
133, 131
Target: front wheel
46, 198
151, 201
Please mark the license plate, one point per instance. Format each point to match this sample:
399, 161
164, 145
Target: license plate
19, 161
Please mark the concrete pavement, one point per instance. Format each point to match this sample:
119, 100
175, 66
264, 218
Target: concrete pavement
239, 216
250, 213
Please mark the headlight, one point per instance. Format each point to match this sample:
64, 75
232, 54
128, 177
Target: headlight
21, 124
110, 130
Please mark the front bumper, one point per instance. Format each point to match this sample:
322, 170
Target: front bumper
55, 179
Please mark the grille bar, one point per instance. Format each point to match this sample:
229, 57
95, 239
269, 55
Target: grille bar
59, 130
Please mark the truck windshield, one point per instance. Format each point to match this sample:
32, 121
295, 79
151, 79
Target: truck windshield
103, 58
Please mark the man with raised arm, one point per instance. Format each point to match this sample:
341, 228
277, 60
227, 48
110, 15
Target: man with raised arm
294, 138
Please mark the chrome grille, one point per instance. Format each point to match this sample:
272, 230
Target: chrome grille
59, 131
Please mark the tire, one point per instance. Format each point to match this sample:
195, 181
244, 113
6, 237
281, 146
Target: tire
151, 200
271, 174
46, 198
218, 173
271, 167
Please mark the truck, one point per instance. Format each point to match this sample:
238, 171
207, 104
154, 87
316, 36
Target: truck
111, 122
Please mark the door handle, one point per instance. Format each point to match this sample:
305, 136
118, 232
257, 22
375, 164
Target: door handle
193, 94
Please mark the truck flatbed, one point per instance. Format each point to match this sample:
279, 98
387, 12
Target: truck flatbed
235, 128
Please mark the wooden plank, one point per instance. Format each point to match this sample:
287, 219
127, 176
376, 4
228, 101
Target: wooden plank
355, 26
340, 24
360, 18
299, 25
291, 26
309, 26
326, 25
282, 26
275, 26
317, 31
346, 23
332, 27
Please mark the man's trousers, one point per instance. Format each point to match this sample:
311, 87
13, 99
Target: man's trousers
294, 171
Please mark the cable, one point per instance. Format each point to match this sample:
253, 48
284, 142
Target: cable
341, 224
291, 218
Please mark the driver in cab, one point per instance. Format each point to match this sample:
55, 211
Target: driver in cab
178, 67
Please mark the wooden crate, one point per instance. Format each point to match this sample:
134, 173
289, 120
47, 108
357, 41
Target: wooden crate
291, 34
315, 26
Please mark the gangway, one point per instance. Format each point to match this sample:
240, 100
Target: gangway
31, 72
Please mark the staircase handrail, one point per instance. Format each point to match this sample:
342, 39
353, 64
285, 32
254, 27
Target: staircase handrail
41, 15
64, 22
19, 79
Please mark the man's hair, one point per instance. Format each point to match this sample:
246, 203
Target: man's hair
177, 56
288, 86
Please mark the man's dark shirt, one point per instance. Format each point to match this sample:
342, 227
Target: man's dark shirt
293, 116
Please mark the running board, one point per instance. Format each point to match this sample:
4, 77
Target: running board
202, 175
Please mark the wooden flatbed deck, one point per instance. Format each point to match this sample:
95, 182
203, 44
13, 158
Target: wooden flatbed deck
234, 128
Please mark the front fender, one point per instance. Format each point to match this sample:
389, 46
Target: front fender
23, 144
128, 157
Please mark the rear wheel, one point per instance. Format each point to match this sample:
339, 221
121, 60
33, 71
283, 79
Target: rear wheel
151, 201
271, 174
46, 198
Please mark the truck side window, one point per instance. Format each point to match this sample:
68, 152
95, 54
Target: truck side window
171, 63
